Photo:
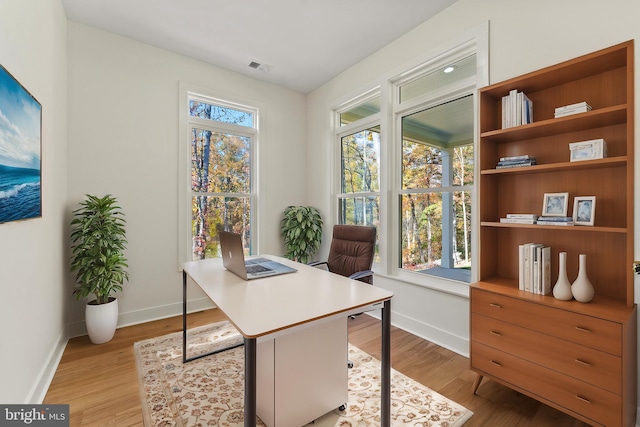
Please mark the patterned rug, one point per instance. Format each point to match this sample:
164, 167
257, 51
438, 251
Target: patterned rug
210, 391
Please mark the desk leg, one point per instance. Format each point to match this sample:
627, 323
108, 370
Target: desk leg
184, 317
385, 376
186, 359
250, 377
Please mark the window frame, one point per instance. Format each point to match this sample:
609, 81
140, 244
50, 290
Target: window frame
449, 93
361, 125
185, 193
475, 41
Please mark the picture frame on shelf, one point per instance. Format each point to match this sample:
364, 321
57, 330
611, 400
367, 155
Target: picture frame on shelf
588, 150
584, 210
555, 204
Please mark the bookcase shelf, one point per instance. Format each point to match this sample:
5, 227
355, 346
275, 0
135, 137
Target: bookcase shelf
557, 228
589, 120
561, 166
547, 371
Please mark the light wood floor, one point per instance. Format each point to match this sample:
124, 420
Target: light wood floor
100, 382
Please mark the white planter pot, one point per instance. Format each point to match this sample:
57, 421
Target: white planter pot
101, 320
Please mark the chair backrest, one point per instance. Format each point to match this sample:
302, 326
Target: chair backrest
352, 249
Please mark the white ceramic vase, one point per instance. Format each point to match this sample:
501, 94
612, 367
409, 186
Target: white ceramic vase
101, 320
582, 289
562, 288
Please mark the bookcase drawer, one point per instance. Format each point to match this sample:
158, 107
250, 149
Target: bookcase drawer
590, 365
581, 329
557, 389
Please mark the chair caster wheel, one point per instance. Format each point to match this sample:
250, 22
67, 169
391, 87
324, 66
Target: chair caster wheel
342, 407
349, 364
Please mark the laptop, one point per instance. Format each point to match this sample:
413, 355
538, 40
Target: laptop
253, 268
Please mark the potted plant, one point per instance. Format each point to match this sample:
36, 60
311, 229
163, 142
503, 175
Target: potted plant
301, 228
97, 257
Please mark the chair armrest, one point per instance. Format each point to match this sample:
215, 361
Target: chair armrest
317, 263
361, 274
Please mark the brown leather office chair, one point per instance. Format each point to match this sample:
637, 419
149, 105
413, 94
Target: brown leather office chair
351, 255
351, 252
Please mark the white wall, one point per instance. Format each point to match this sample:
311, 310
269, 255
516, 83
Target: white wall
32, 253
123, 140
122, 135
524, 36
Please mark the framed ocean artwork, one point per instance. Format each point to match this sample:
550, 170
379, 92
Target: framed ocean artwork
20, 151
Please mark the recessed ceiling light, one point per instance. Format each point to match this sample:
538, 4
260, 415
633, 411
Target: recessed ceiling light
449, 69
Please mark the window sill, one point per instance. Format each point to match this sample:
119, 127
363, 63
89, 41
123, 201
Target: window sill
430, 281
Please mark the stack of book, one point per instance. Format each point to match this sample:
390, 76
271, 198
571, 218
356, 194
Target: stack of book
555, 220
517, 109
567, 110
534, 263
520, 218
516, 161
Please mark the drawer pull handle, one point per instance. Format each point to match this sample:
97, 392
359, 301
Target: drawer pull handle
493, 362
495, 333
584, 399
493, 304
581, 329
582, 362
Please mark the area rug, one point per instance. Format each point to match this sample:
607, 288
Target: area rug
210, 391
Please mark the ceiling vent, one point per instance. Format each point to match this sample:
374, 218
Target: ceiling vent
258, 66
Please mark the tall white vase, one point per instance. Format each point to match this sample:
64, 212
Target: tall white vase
562, 288
582, 289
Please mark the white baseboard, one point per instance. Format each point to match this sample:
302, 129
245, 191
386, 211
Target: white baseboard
430, 333
163, 312
76, 329
41, 386
79, 328
435, 335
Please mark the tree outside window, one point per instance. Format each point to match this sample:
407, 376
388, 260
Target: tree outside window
221, 175
359, 201
435, 199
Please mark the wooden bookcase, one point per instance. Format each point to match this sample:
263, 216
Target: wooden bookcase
577, 357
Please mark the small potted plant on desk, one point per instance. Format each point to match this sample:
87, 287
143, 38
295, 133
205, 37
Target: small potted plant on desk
301, 229
97, 258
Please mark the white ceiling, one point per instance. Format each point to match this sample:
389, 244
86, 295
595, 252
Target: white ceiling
305, 43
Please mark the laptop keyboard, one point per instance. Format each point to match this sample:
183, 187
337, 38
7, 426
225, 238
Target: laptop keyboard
256, 268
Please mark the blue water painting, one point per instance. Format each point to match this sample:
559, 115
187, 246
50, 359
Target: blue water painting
19, 193
20, 145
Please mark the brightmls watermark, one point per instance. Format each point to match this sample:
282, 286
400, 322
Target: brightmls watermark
34, 415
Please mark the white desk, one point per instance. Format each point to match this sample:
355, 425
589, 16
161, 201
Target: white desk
275, 306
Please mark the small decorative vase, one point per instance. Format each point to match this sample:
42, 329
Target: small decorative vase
562, 288
582, 289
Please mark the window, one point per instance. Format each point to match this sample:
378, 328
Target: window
360, 179
359, 192
360, 111
406, 165
221, 192
435, 114
435, 198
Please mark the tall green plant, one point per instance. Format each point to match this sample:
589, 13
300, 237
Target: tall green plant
301, 229
98, 242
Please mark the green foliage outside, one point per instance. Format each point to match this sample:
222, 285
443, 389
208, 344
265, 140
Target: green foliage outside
421, 207
422, 216
98, 241
221, 164
301, 229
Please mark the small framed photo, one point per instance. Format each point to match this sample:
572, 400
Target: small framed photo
584, 210
588, 150
555, 204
